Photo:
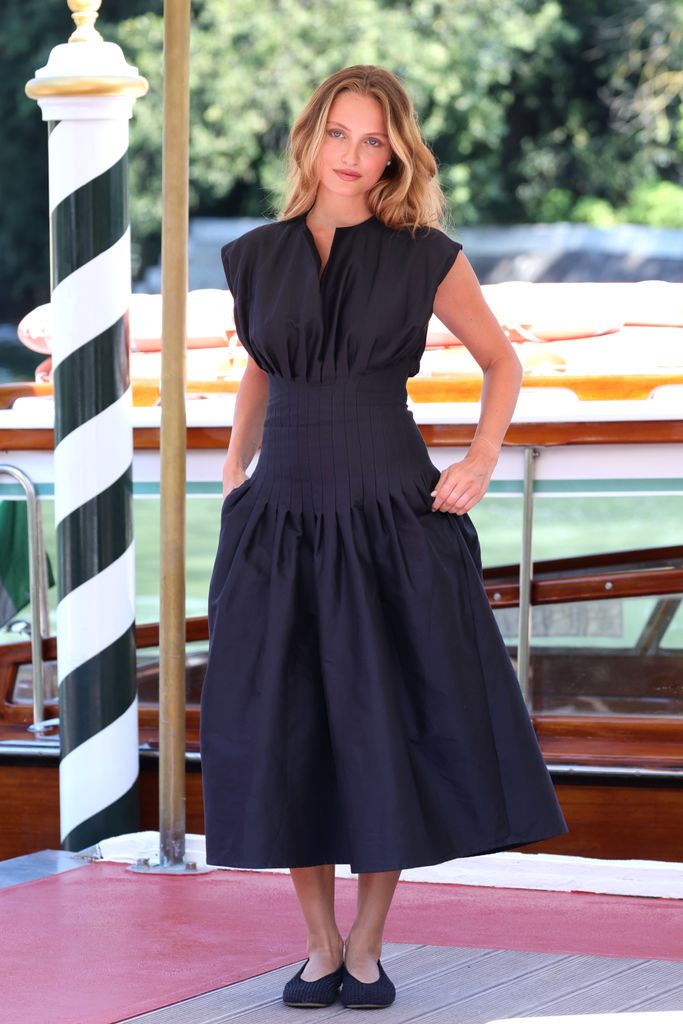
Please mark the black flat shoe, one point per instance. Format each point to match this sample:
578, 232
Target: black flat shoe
367, 995
321, 992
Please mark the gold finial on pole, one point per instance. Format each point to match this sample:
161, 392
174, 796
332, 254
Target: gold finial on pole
85, 13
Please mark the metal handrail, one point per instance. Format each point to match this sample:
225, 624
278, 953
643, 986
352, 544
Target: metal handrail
525, 572
38, 593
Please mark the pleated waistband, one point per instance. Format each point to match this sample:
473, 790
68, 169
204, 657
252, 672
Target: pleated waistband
341, 396
331, 444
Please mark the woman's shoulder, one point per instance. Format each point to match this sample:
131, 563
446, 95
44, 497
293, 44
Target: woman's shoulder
426, 242
416, 235
425, 254
243, 254
422, 234
262, 234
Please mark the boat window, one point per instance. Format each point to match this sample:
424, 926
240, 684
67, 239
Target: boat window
620, 657
147, 677
195, 668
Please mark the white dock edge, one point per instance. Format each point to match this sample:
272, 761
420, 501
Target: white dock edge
649, 1017
505, 870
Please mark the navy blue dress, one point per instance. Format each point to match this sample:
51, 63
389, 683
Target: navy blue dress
359, 705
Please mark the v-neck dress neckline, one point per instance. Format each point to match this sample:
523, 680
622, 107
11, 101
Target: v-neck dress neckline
339, 230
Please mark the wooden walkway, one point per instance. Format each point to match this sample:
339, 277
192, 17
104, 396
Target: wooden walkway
451, 985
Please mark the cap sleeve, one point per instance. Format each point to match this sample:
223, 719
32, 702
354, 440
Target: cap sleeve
443, 254
226, 259
232, 258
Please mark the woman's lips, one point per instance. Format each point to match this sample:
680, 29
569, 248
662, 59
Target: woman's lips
347, 175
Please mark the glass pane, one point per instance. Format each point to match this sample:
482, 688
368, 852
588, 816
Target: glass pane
195, 668
147, 676
621, 656
568, 526
202, 523
202, 528
673, 634
499, 524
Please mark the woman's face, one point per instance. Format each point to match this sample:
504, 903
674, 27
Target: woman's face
355, 141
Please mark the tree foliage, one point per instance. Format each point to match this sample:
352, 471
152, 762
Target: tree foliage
535, 109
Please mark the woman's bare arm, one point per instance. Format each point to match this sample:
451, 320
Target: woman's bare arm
460, 305
247, 425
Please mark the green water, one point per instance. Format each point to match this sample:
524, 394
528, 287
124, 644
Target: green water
567, 526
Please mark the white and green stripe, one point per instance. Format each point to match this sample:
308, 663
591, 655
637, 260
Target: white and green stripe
93, 458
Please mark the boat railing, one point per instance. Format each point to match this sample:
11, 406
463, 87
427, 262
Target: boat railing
525, 571
37, 588
615, 732
633, 577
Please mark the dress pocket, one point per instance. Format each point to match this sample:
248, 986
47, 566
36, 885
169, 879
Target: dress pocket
233, 493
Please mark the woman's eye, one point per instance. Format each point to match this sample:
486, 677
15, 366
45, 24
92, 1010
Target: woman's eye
331, 132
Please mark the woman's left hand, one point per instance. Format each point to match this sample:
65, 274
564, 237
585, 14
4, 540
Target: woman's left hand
463, 484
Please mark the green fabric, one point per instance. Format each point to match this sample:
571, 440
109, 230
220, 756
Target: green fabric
15, 591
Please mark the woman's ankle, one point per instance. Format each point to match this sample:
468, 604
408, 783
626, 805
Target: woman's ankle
331, 944
359, 943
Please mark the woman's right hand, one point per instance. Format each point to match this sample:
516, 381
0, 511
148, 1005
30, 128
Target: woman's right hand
231, 481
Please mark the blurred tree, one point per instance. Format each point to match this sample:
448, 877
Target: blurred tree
255, 63
535, 109
601, 111
27, 31
642, 45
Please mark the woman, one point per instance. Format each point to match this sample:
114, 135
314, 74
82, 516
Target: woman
359, 704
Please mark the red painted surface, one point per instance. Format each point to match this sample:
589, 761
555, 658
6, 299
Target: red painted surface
101, 943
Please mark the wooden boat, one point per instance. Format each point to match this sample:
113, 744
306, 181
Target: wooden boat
605, 702
572, 336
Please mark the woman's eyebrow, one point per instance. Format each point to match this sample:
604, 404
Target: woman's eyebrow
367, 133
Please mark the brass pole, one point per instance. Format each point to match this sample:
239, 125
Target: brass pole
174, 284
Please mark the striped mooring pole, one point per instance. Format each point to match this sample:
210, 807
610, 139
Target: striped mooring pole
86, 94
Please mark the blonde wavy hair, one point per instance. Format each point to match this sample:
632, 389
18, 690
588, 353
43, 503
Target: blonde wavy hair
408, 193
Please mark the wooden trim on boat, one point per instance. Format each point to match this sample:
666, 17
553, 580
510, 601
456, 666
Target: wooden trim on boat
588, 387
13, 655
436, 435
645, 572
540, 435
601, 740
591, 741
600, 587
427, 388
615, 561
145, 393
